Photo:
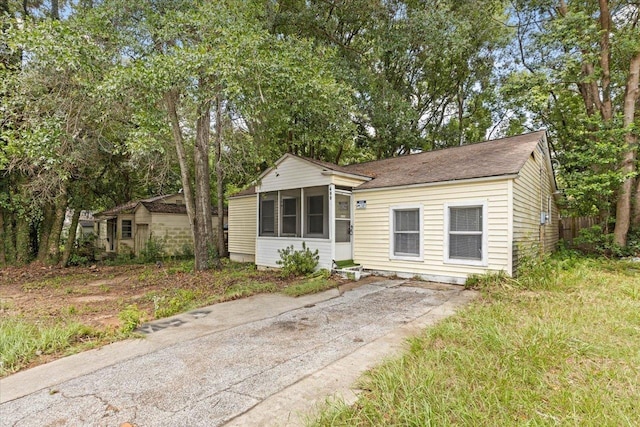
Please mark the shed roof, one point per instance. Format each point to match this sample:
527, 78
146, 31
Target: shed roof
129, 207
171, 208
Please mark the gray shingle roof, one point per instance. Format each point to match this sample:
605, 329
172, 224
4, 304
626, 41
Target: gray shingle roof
129, 207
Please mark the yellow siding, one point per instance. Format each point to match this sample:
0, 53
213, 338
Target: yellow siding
371, 228
533, 194
242, 226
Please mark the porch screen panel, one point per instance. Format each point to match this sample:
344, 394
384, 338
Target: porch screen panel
315, 215
267, 215
289, 216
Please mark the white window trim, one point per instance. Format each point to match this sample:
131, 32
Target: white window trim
392, 255
484, 262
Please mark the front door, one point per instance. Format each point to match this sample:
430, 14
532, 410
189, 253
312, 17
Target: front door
142, 235
344, 240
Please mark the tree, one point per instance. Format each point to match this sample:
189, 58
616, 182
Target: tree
587, 51
421, 73
190, 65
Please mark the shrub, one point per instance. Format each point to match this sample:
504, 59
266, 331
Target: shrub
168, 305
298, 263
130, 317
185, 251
153, 250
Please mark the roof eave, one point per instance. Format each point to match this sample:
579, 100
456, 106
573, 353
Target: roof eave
437, 183
328, 172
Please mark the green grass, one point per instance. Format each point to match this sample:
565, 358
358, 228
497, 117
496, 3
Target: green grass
22, 341
309, 286
559, 345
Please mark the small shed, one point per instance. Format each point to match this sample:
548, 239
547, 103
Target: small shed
128, 227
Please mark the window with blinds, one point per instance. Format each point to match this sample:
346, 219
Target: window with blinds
406, 230
465, 233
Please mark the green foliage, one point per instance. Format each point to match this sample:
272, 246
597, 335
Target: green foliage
183, 267
130, 318
536, 271
310, 285
485, 281
594, 240
564, 355
185, 251
22, 341
153, 250
297, 263
242, 290
175, 302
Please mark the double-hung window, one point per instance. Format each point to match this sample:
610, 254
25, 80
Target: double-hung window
406, 233
127, 229
465, 233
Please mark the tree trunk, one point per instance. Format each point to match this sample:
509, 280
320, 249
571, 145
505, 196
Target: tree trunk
44, 232
204, 215
171, 101
635, 220
71, 239
53, 252
3, 239
23, 246
222, 247
55, 10
623, 205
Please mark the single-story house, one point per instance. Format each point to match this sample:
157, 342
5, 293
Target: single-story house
440, 215
128, 227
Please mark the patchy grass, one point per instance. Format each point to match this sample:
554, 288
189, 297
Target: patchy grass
309, 286
47, 312
21, 341
557, 346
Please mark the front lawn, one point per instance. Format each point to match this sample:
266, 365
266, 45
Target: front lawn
560, 346
46, 313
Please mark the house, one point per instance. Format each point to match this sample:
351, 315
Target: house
85, 224
440, 215
128, 227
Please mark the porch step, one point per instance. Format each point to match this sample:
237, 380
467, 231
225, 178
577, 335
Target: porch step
353, 272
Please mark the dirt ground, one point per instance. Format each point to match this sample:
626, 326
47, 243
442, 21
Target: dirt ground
95, 295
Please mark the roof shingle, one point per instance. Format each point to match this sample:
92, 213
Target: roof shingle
497, 157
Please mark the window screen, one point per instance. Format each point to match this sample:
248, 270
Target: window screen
406, 232
465, 233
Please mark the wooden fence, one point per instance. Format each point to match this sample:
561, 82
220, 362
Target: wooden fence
570, 227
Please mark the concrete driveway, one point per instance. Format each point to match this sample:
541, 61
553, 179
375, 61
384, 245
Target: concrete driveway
264, 360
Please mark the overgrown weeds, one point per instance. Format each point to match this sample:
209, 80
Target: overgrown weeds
21, 341
557, 348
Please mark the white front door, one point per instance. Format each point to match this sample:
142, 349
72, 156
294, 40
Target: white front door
344, 240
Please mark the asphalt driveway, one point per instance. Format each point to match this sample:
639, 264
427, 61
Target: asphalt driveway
264, 360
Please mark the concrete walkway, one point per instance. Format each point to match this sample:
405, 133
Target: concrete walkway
264, 360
